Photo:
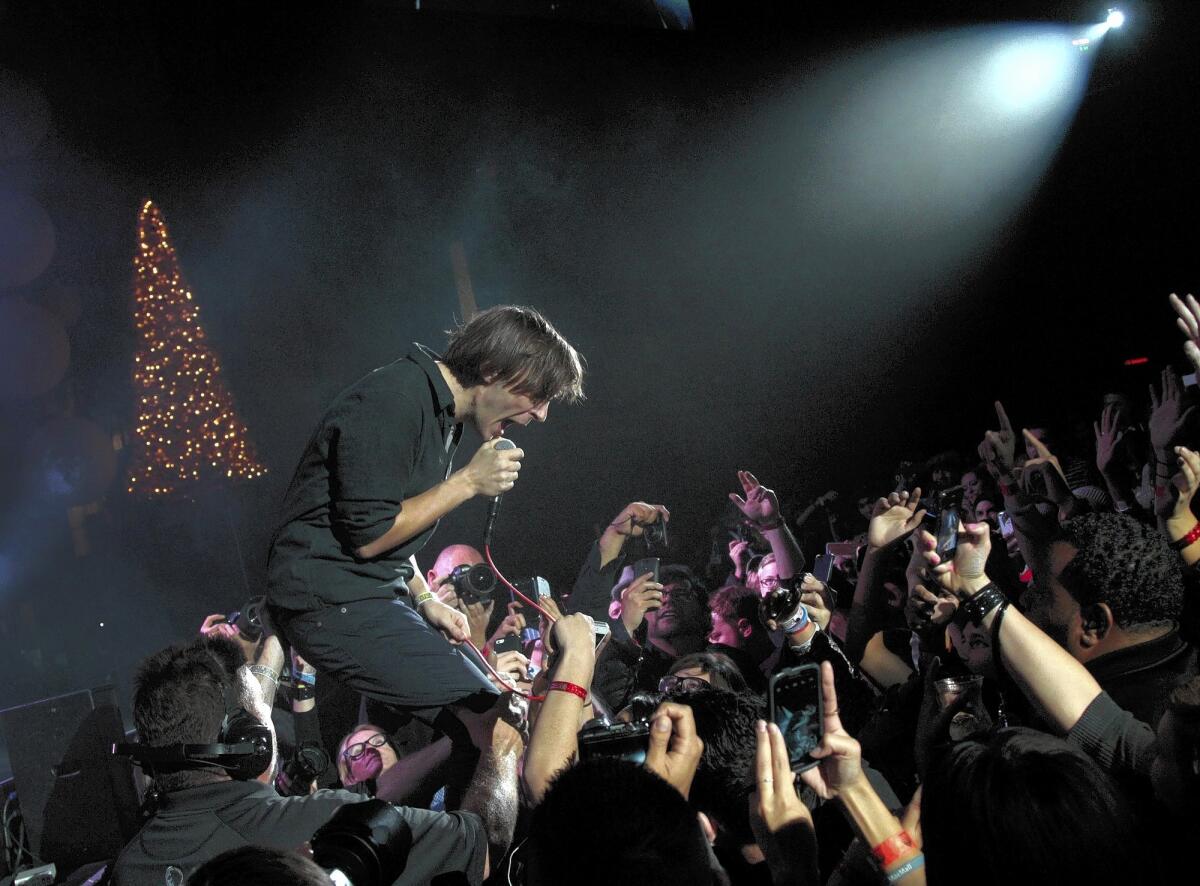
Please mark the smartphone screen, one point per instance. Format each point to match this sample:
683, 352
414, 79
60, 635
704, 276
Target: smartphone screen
644, 565
600, 629
949, 506
1006, 524
794, 699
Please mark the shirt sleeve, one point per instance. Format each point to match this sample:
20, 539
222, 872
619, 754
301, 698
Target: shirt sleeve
374, 444
1113, 737
592, 591
443, 842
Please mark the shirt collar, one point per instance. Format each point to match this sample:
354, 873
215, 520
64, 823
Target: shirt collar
1138, 657
214, 794
426, 359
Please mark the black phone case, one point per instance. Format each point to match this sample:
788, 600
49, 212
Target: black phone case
788, 674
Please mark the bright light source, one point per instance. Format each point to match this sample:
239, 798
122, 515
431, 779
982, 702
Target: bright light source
1115, 19
1032, 73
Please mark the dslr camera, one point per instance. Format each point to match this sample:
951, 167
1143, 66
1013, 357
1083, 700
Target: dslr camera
782, 605
624, 741
248, 619
363, 844
473, 584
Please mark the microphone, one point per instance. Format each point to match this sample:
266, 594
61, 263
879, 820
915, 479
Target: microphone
494, 507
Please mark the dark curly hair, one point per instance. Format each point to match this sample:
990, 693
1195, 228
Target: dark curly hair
1125, 564
725, 778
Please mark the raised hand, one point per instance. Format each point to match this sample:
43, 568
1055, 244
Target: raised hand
216, 626
739, 553
782, 824
1167, 415
637, 514
513, 623
1188, 322
1108, 438
999, 448
927, 604
674, 749
761, 505
1186, 482
893, 518
642, 595
840, 755
1046, 463
964, 575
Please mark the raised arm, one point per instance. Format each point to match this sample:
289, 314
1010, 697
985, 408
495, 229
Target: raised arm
892, 520
761, 507
552, 742
1054, 682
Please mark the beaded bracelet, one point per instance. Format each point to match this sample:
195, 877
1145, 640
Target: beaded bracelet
264, 671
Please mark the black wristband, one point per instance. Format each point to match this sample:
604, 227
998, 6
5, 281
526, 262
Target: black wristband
303, 692
981, 603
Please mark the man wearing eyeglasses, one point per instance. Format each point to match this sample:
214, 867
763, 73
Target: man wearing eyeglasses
658, 624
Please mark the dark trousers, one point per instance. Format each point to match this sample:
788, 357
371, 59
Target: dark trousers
387, 651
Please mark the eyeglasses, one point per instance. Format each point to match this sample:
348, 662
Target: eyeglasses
768, 581
673, 682
359, 748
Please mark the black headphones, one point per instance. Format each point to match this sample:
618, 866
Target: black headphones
243, 747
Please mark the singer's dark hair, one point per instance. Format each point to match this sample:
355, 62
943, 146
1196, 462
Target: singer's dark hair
517, 346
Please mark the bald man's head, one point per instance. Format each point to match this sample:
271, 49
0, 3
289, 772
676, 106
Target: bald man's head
448, 559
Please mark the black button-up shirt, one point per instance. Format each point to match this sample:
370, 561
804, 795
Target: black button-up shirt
386, 438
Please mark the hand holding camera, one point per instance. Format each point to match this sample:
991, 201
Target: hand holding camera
674, 749
638, 519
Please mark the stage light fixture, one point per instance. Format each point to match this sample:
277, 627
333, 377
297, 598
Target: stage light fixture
1115, 19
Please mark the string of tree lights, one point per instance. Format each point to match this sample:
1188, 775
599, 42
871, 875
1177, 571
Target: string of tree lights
188, 434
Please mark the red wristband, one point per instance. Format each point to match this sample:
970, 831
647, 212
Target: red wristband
564, 686
1188, 540
1005, 490
893, 849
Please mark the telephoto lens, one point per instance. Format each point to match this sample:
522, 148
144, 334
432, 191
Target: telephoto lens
364, 844
474, 583
307, 764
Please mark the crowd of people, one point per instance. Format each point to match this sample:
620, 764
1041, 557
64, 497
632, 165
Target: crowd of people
1006, 683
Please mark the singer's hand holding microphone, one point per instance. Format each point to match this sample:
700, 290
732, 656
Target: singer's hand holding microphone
493, 470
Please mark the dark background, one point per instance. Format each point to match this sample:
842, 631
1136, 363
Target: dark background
637, 185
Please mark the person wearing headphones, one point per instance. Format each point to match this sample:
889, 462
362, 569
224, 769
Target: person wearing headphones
207, 743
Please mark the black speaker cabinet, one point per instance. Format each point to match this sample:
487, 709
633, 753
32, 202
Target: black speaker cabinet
78, 801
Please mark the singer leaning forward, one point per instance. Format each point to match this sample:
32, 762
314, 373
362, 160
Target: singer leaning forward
377, 475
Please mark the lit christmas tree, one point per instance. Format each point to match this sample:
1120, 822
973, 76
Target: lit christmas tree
188, 434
